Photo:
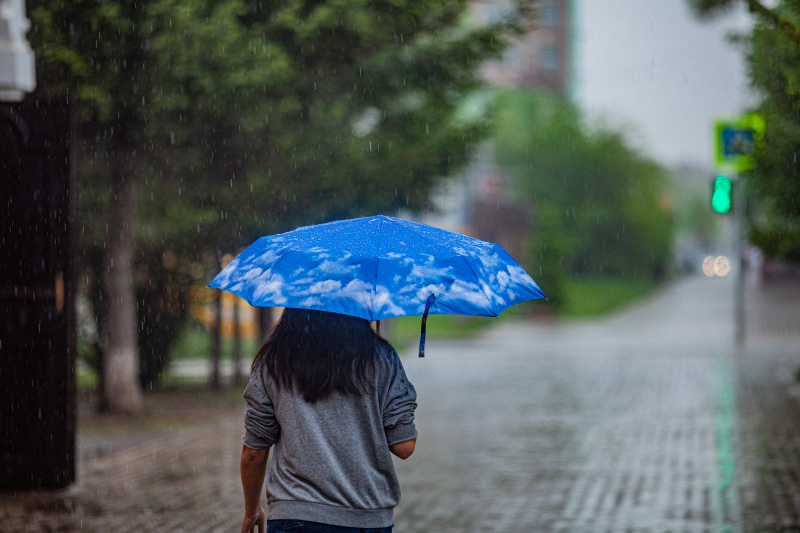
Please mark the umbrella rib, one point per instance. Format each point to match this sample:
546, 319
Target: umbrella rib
375, 279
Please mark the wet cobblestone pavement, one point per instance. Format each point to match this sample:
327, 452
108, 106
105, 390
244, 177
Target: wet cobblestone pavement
648, 421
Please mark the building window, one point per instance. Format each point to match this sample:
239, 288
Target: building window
549, 57
548, 16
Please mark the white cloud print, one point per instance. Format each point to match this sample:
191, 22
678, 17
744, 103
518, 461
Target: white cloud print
332, 269
268, 257
429, 272
323, 287
385, 304
271, 291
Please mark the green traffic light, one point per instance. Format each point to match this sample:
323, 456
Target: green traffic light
721, 197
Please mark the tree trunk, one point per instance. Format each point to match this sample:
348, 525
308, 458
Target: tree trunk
97, 295
216, 338
237, 343
122, 390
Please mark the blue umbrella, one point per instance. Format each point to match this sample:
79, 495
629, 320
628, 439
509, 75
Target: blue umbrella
378, 267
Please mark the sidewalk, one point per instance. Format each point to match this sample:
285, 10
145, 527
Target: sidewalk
768, 408
624, 424
772, 310
185, 482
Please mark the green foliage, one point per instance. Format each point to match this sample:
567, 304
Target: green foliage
695, 224
783, 242
86, 378
598, 203
588, 297
774, 69
709, 8
699, 221
403, 332
779, 18
194, 342
303, 112
548, 253
237, 119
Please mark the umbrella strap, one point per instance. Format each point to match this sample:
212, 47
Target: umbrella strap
431, 299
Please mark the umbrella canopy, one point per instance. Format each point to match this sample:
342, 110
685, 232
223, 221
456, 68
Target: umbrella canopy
378, 267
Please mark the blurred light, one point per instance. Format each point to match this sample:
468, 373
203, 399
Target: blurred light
716, 266
169, 260
721, 195
708, 266
367, 121
722, 266
196, 270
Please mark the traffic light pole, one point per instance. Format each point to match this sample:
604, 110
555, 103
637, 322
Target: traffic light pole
736, 140
739, 220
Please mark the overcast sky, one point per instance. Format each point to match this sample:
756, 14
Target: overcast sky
652, 65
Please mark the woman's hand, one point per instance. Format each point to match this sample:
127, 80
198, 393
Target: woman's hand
253, 468
251, 521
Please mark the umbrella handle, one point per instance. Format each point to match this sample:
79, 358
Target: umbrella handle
428, 303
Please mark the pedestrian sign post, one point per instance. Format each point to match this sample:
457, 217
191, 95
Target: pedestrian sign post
736, 140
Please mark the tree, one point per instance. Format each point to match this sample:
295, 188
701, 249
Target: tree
774, 69
773, 60
310, 111
204, 124
597, 202
775, 18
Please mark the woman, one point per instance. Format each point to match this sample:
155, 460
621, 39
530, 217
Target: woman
333, 399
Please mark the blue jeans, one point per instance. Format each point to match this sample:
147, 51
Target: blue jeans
304, 526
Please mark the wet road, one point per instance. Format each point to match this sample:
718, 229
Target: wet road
627, 424
648, 421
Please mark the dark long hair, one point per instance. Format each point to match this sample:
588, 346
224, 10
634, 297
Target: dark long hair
320, 352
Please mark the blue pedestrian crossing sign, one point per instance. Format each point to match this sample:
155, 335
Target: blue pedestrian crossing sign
736, 140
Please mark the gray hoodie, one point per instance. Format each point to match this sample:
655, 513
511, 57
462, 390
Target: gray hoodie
331, 461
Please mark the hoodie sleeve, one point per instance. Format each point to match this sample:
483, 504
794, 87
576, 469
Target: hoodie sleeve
400, 402
260, 425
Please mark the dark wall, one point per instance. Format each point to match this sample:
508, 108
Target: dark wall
37, 322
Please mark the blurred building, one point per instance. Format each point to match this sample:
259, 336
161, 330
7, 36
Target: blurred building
540, 59
481, 202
